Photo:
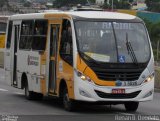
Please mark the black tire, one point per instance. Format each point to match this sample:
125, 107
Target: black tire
131, 106
68, 104
28, 94
32, 95
38, 96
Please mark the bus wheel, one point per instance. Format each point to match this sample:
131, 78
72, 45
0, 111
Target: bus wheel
38, 96
28, 94
131, 106
67, 103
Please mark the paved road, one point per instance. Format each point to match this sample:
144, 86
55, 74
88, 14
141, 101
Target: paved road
13, 105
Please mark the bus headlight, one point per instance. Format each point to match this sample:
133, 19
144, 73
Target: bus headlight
84, 77
149, 78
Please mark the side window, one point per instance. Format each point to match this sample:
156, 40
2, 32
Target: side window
3, 27
26, 34
8, 45
66, 46
40, 33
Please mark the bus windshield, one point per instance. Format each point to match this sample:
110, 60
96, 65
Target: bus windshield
113, 42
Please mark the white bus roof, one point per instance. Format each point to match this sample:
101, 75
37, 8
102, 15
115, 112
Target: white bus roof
83, 14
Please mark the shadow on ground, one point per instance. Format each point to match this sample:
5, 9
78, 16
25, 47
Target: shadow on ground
80, 107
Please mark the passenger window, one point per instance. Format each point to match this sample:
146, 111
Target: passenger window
40, 32
9, 34
33, 35
66, 46
26, 34
40, 27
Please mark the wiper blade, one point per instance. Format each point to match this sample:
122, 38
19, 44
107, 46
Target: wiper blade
130, 50
88, 58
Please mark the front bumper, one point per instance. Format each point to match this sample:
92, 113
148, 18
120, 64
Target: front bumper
88, 92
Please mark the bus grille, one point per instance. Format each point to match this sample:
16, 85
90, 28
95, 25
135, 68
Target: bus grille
117, 96
118, 74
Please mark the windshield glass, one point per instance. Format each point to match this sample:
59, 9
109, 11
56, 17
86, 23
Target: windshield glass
113, 42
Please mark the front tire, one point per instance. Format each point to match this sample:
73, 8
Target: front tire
131, 106
68, 104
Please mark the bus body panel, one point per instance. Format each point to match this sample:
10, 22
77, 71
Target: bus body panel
31, 62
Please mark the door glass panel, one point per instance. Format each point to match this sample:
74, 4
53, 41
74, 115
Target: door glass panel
53, 56
16, 39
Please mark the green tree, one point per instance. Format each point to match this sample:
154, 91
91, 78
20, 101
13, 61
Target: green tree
148, 25
106, 6
92, 1
154, 32
153, 5
22, 1
3, 2
155, 37
27, 4
131, 1
117, 4
61, 3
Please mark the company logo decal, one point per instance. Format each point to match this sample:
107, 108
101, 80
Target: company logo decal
118, 83
33, 60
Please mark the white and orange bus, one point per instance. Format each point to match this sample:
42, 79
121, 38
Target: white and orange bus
98, 57
3, 26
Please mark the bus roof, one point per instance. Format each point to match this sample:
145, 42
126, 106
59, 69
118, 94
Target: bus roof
77, 14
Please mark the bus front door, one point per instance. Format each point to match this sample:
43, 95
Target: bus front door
54, 36
16, 29
14, 46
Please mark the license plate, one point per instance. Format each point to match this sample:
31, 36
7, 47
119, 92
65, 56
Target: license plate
118, 91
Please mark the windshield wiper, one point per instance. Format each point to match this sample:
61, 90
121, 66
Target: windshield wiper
130, 50
88, 58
